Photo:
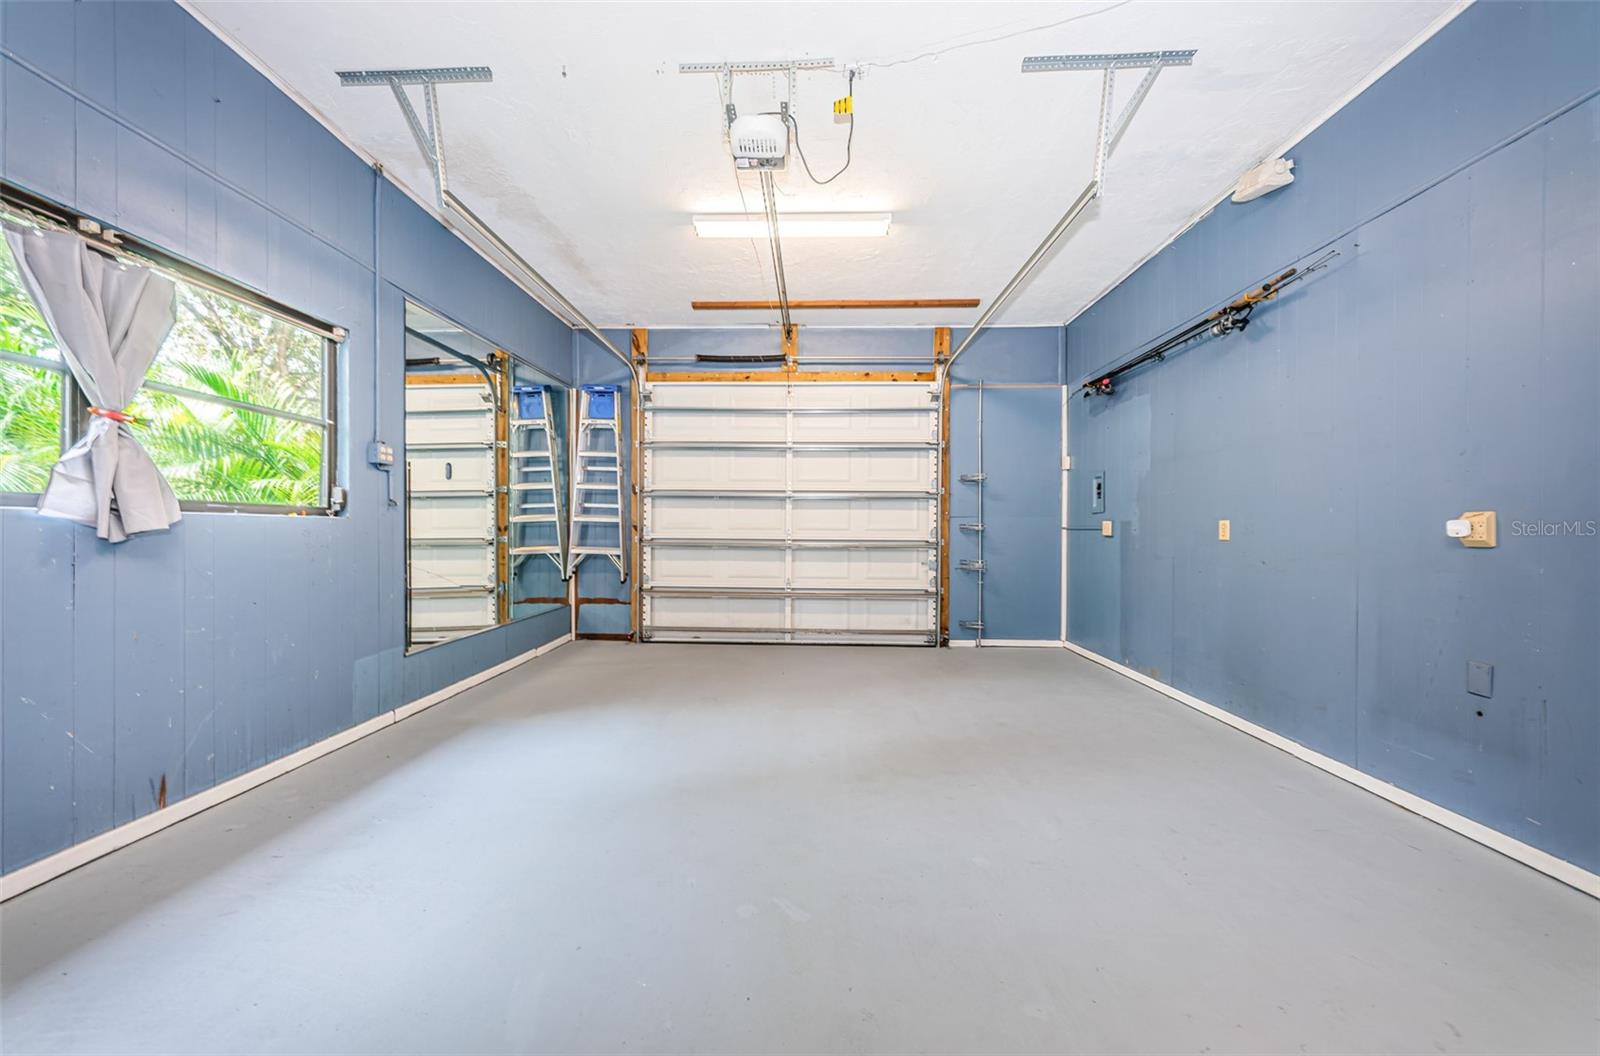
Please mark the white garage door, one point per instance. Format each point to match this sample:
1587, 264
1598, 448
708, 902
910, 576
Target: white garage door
790, 512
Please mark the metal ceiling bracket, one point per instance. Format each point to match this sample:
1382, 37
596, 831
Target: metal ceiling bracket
774, 66
1108, 132
1118, 60
428, 131
424, 75
725, 72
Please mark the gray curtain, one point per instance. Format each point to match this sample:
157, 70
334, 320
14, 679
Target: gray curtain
109, 320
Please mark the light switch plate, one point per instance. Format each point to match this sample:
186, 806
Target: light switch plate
1105, 528
1224, 531
1480, 678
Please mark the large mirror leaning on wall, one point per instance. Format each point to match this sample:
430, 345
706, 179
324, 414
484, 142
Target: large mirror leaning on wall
486, 484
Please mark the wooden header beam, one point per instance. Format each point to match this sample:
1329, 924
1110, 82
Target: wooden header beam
921, 302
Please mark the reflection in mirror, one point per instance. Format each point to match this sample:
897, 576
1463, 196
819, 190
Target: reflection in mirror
537, 458
485, 465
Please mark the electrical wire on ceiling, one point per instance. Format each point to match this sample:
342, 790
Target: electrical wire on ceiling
850, 93
936, 52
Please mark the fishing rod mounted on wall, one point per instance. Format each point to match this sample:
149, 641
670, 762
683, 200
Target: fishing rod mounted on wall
1230, 318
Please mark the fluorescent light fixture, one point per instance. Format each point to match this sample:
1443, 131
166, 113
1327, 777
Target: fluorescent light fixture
793, 225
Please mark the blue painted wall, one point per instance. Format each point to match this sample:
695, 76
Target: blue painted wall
1021, 371
1022, 437
196, 655
1446, 361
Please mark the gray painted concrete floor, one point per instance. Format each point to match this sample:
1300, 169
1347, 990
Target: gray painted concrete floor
715, 849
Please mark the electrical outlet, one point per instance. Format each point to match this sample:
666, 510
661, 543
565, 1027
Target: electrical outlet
1483, 529
1105, 528
1224, 531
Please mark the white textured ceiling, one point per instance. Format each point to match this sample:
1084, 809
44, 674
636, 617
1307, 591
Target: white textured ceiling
589, 151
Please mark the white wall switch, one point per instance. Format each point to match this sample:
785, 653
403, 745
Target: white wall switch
1224, 531
1105, 528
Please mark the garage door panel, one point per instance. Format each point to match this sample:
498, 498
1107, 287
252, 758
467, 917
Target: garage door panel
442, 567
665, 613
861, 614
731, 395
683, 566
864, 470
722, 426
867, 569
716, 427
703, 518
451, 517
716, 470
869, 520
445, 470
880, 427
862, 396
435, 617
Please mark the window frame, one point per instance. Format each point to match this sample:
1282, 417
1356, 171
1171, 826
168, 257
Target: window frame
75, 407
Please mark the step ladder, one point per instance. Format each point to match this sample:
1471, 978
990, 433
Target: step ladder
535, 502
597, 529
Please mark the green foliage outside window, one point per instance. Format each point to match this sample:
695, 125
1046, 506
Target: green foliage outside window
220, 349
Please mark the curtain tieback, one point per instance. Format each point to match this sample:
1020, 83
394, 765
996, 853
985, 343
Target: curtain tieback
115, 416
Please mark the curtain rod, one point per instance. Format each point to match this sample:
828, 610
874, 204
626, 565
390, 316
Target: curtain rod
28, 208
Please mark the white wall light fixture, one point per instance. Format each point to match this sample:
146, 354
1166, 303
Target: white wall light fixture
793, 225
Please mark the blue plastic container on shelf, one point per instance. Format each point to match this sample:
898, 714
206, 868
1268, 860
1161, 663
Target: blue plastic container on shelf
602, 400
530, 401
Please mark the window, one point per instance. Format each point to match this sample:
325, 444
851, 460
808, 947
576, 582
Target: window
31, 377
236, 410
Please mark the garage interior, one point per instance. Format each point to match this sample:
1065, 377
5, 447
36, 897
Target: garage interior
524, 529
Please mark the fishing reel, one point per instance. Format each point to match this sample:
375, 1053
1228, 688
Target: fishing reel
1098, 387
1229, 321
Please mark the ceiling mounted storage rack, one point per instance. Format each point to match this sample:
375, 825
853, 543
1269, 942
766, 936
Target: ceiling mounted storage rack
1109, 131
428, 131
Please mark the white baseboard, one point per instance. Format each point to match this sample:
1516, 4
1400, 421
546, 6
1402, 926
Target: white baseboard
1007, 643
31, 876
1545, 862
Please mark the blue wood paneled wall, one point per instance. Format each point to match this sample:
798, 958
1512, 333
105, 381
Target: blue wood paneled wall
184, 659
1446, 361
1022, 437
